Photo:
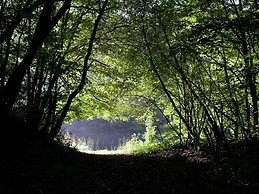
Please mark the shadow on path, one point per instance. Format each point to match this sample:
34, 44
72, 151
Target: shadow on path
67, 171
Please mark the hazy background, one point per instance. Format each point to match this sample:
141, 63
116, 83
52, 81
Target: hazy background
101, 134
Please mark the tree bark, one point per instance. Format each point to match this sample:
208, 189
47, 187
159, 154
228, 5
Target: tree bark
44, 26
55, 130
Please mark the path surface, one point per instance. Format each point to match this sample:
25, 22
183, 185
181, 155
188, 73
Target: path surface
79, 173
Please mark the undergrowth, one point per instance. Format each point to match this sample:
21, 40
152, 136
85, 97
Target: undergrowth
140, 144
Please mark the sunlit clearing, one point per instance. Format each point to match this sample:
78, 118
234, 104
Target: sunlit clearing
85, 149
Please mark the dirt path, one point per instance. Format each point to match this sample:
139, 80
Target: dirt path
73, 172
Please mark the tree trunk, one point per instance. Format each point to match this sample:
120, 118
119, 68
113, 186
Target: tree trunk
44, 26
55, 130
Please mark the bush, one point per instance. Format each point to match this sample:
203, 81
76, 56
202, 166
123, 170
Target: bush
64, 139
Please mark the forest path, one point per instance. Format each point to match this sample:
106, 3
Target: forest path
79, 173
142, 174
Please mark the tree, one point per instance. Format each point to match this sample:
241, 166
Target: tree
195, 55
195, 62
33, 88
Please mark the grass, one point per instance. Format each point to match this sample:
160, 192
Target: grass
85, 149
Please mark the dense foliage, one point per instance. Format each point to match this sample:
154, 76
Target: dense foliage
194, 62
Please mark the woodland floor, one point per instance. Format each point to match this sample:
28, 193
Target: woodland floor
57, 170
